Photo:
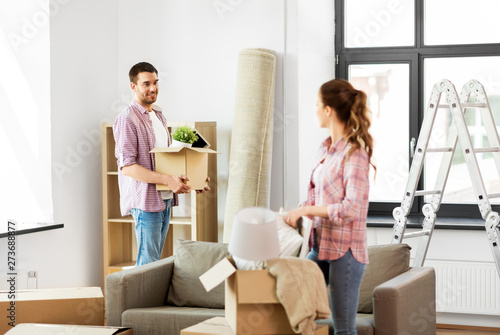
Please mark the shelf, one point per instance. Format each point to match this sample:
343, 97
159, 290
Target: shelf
180, 220
198, 222
173, 220
127, 219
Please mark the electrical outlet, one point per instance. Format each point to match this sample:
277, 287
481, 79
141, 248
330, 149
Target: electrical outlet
32, 276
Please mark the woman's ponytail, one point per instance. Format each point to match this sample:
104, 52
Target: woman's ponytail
351, 107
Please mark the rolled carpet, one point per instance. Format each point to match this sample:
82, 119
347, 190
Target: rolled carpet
249, 180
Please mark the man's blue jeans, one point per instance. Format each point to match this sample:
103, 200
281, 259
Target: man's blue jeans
151, 230
344, 276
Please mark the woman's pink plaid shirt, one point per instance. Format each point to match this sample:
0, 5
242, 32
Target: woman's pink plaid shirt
343, 186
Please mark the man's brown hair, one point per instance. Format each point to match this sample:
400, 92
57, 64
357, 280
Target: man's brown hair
138, 68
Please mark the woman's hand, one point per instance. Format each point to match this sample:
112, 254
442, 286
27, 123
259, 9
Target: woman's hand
293, 216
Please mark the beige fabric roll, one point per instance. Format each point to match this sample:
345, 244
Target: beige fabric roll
249, 181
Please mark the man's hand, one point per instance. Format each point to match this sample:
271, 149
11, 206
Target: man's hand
206, 188
178, 184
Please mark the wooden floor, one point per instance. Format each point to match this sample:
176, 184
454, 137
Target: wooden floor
463, 332
441, 331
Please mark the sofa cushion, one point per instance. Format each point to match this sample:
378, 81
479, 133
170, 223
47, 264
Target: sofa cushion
192, 259
386, 262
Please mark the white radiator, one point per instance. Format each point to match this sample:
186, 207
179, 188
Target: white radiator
466, 287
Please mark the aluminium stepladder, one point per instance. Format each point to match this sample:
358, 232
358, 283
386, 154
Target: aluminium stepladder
458, 132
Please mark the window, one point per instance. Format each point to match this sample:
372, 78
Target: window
396, 50
25, 172
386, 86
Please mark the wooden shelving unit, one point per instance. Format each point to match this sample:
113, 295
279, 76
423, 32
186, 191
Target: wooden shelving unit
119, 243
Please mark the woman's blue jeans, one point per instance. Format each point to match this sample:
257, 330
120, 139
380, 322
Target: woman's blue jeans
151, 230
344, 276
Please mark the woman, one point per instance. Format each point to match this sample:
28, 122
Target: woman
337, 198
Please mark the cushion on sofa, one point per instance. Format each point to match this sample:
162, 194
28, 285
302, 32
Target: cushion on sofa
192, 259
386, 262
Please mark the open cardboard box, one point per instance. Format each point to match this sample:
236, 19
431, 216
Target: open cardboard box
190, 162
219, 326
78, 306
47, 329
251, 304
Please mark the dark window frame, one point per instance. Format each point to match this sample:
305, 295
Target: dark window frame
379, 212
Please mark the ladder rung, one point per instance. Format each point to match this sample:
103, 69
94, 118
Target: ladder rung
467, 105
479, 150
440, 150
493, 195
476, 150
421, 193
417, 234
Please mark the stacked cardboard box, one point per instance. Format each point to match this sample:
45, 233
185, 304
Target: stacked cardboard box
77, 306
46, 329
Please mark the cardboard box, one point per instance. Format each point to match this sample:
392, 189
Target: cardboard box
191, 162
251, 304
220, 326
46, 329
78, 306
216, 325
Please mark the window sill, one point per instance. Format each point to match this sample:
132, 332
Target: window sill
375, 221
21, 229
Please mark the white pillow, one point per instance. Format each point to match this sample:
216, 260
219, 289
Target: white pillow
243, 264
306, 232
290, 239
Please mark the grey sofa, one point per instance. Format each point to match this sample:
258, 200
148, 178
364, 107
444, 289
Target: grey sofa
166, 296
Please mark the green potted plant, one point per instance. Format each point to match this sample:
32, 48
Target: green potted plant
184, 136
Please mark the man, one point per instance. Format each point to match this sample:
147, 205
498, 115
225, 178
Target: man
137, 130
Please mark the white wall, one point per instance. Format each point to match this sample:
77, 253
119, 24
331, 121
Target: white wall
195, 46
316, 38
83, 72
83, 90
